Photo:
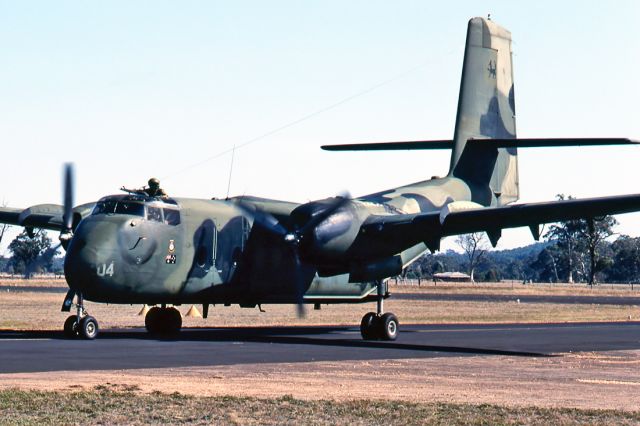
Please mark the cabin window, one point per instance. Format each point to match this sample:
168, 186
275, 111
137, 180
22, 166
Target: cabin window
154, 214
171, 217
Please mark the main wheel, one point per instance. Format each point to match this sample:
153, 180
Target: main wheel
88, 327
173, 321
368, 326
71, 327
153, 319
388, 326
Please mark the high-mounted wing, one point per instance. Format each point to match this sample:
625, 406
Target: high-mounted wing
45, 216
388, 235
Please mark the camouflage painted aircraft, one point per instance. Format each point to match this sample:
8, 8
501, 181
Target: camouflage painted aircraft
157, 250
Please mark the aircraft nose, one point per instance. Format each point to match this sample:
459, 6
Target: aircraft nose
93, 248
102, 253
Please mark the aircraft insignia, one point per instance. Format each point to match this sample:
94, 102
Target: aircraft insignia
492, 70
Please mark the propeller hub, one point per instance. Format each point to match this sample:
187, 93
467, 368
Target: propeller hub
291, 238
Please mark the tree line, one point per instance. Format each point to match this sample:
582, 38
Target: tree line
585, 250
31, 253
555, 260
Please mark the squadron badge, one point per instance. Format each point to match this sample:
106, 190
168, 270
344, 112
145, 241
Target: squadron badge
171, 257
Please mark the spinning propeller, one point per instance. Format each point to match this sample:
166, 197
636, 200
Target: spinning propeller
295, 236
67, 218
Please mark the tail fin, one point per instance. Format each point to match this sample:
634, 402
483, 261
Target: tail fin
486, 110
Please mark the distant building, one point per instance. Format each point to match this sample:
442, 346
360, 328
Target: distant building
452, 277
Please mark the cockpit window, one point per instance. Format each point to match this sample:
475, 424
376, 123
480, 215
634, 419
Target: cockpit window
171, 217
154, 214
118, 207
104, 207
126, 207
161, 212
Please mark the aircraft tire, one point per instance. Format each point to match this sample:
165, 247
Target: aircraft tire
153, 319
89, 328
388, 327
368, 327
173, 321
71, 327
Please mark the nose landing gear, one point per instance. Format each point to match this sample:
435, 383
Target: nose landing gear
82, 324
379, 326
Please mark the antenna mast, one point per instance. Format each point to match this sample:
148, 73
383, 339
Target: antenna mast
233, 154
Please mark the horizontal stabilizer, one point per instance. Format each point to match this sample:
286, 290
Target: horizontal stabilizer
552, 142
496, 143
390, 146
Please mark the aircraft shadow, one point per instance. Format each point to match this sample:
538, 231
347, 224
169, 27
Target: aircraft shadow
311, 336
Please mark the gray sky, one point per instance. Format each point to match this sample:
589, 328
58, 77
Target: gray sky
130, 90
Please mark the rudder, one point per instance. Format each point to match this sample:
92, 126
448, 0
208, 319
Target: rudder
486, 110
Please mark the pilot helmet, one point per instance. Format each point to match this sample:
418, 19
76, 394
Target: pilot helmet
154, 183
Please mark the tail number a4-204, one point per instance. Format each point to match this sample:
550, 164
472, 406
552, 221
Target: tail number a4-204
104, 269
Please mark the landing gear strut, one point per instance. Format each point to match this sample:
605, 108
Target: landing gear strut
82, 324
376, 325
163, 320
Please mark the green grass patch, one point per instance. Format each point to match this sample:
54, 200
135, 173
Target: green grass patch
127, 406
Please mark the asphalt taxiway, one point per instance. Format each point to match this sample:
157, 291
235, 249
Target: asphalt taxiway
523, 298
28, 351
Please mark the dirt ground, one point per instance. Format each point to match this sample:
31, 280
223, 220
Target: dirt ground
583, 380
589, 381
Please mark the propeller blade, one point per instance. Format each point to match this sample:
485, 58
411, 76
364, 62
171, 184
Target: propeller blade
298, 282
265, 219
339, 201
67, 218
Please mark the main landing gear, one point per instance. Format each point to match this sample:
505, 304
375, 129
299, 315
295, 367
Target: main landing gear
163, 320
82, 324
379, 326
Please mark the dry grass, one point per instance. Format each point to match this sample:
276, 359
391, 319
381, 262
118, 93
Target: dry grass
107, 406
516, 287
41, 310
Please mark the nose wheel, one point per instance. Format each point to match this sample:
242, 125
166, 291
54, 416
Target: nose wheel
82, 324
163, 320
378, 325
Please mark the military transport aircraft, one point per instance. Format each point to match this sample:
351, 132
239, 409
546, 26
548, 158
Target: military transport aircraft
160, 250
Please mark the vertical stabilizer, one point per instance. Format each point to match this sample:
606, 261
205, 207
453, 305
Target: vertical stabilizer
486, 109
